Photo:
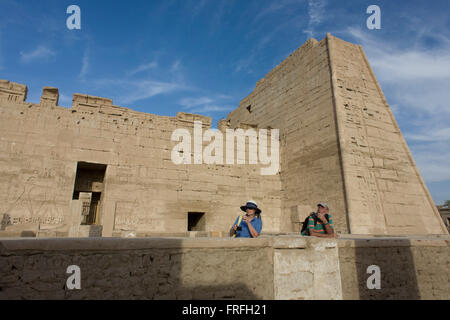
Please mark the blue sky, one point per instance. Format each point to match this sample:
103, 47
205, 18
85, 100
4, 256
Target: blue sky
204, 56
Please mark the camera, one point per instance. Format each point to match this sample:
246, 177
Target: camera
239, 228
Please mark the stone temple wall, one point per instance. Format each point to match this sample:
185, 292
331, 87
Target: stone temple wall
283, 267
296, 97
143, 192
339, 143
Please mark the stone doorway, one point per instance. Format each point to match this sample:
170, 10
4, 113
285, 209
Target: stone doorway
89, 189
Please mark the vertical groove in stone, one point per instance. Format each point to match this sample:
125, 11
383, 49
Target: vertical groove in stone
338, 135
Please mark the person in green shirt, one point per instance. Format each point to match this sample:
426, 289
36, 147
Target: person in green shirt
320, 224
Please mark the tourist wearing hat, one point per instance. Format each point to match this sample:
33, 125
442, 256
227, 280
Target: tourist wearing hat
249, 225
320, 223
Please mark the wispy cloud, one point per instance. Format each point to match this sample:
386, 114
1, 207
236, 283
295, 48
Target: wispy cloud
144, 67
207, 105
275, 7
436, 135
244, 64
416, 79
316, 10
84, 65
198, 7
137, 85
40, 53
130, 91
193, 102
175, 66
208, 109
289, 23
432, 160
397, 63
147, 89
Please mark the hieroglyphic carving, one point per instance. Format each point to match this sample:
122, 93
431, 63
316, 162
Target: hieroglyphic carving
37, 220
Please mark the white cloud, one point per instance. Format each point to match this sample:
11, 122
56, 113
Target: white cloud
84, 65
316, 10
416, 81
206, 105
129, 91
211, 108
132, 87
244, 64
147, 89
41, 52
175, 66
275, 7
200, 4
289, 14
192, 102
144, 67
416, 78
427, 65
432, 160
405, 64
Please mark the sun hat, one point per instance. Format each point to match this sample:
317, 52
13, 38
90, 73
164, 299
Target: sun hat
251, 205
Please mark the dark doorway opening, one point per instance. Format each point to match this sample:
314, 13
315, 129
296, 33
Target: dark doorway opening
89, 181
196, 221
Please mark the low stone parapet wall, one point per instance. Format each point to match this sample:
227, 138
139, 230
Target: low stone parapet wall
270, 267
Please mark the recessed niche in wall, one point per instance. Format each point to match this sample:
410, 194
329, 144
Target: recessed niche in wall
196, 221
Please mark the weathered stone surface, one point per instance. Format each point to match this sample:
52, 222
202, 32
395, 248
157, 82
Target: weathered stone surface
281, 267
410, 268
339, 143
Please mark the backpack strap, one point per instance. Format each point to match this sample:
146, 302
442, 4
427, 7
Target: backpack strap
316, 218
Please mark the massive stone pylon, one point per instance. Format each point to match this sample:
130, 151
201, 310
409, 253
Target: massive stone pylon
341, 143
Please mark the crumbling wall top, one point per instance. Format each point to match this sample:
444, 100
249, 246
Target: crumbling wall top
90, 101
88, 104
191, 118
13, 91
50, 96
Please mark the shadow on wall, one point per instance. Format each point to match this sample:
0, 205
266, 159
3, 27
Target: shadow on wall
150, 274
397, 270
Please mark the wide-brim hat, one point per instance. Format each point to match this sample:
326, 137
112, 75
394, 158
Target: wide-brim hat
251, 205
